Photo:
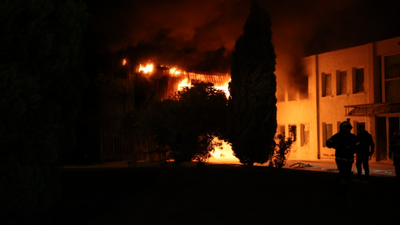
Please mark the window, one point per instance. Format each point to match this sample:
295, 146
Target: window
280, 96
327, 132
292, 93
305, 134
281, 129
292, 132
341, 82
280, 93
392, 78
303, 90
359, 126
338, 125
326, 85
358, 80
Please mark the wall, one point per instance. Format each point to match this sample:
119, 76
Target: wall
302, 111
332, 109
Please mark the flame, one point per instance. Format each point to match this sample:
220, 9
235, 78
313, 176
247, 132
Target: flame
220, 81
174, 71
184, 83
224, 88
147, 69
124, 62
223, 154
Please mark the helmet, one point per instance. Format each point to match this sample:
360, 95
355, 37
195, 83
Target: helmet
345, 124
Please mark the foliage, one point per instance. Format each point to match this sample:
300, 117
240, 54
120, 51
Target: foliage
187, 123
40, 86
252, 106
113, 96
281, 152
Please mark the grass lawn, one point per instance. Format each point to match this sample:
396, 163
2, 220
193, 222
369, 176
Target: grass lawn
219, 195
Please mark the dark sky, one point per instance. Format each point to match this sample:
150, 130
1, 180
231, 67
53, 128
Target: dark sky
199, 35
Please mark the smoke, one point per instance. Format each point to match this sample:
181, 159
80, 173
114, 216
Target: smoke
303, 28
193, 35
294, 27
200, 35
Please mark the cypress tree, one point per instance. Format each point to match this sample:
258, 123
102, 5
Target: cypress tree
252, 105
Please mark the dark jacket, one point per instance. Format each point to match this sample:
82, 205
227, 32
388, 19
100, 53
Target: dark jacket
345, 145
365, 142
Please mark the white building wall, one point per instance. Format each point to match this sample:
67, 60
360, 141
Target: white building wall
331, 108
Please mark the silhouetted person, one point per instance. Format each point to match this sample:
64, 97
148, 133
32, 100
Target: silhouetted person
394, 152
345, 144
364, 152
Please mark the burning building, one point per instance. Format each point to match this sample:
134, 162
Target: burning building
361, 83
133, 90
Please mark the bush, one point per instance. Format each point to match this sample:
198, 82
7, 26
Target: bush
281, 151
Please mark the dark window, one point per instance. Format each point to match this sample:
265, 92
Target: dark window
360, 126
281, 129
280, 97
305, 134
292, 132
292, 93
280, 94
359, 75
303, 90
392, 66
342, 83
392, 78
327, 132
326, 84
392, 88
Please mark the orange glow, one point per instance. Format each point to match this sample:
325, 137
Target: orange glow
174, 71
185, 79
184, 83
224, 88
147, 69
124, 62
223, 154
221, 82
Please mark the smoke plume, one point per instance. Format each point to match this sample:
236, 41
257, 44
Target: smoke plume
200, 35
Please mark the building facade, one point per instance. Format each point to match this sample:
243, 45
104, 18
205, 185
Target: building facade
361, 83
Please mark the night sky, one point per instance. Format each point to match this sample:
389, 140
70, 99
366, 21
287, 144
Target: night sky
199, 35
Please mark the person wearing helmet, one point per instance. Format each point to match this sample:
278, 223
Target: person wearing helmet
345, 144
394, 152
364, 153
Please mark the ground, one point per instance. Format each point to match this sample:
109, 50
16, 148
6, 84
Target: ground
218, 194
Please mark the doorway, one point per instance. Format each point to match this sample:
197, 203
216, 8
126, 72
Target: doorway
385, 129
381, 143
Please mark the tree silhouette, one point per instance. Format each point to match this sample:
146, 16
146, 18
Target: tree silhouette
252, 105
187, 123
41, 82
